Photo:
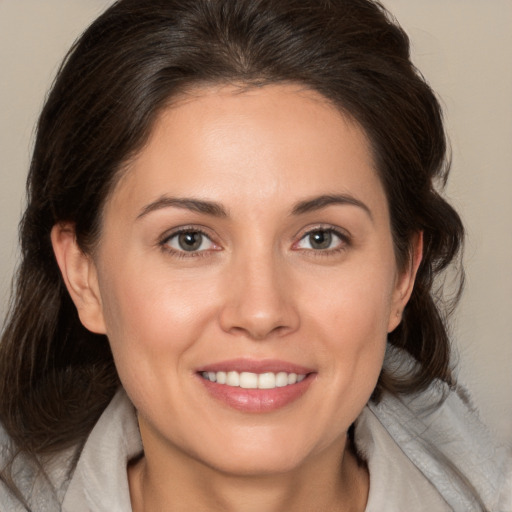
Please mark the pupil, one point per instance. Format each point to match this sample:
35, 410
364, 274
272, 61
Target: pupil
190, 241
320, 239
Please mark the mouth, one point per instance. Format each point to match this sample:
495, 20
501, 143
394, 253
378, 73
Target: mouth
256, 386
250, 380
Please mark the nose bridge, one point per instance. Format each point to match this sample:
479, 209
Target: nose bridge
259, 301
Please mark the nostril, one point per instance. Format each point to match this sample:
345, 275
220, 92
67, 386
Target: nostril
259, 302
259, 327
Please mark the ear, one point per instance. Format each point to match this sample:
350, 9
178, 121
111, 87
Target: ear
80, 276
405, 282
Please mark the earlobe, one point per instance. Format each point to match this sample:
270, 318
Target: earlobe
80, 276
405, 282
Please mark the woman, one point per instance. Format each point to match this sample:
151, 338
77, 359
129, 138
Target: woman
225, 300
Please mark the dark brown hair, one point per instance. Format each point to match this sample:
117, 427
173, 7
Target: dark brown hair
55, 376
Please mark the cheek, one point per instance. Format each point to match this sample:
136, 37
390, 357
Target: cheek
357, 335
151, 319
355, 303
144, 300
351, 314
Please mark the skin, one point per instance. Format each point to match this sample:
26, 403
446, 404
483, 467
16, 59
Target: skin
257, 288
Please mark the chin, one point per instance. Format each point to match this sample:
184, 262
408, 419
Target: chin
256, 466
257, 455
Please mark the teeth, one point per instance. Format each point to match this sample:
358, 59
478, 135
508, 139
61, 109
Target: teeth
282, 379
249, 380
233, 379
267, 381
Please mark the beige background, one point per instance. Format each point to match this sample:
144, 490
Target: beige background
463, 47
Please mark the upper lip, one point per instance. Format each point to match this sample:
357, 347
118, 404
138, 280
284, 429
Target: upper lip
255, 366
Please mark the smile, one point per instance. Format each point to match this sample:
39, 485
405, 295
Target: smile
249, 380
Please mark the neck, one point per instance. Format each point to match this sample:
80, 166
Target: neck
332, 481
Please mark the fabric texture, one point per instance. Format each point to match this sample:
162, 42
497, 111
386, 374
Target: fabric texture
396, 484
423, 452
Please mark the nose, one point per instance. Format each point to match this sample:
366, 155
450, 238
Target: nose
259, 302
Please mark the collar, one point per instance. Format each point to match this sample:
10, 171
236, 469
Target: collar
396, 484
100, 482
424, 442
442, 435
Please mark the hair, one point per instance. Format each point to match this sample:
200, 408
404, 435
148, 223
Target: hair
56, 377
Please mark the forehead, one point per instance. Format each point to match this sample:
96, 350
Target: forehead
262, 143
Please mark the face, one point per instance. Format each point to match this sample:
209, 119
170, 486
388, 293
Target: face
246, 279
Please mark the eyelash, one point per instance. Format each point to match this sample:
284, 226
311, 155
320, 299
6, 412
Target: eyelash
345, 242
164, 242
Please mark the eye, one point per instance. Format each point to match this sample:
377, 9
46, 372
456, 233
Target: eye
322, 240
189, 241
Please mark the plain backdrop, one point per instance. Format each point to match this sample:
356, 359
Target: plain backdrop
463, 48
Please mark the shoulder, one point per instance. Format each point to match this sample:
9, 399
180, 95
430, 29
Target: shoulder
395, 482
81, 476
7, 497
442, 435
100, 480
26, 481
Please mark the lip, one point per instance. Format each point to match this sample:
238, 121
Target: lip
256, 400
255, 366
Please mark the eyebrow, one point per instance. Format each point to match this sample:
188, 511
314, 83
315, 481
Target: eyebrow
317, 203
196, 205
217, 210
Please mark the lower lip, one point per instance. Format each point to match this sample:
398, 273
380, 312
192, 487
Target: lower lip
257, 400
